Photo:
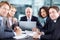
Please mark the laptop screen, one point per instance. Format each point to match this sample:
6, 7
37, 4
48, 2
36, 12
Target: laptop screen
25, 25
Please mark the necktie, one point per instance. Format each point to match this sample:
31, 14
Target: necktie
0, 22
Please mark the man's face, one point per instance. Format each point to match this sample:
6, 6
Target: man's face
53, 14
4, 9
28, 12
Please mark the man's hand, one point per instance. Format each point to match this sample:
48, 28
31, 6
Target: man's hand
36, 36
36, 30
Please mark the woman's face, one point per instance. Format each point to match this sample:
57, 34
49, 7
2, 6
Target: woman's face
12, 12
43, 13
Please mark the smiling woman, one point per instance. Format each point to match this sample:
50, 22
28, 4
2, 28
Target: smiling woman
43, 15
10, 16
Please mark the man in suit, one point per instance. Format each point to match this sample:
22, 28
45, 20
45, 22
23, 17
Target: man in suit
53, 26
4, 9
30, 17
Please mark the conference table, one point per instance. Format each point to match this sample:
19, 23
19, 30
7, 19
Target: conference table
29, 38
26, 35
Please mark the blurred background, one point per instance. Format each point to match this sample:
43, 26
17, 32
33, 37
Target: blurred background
36, 4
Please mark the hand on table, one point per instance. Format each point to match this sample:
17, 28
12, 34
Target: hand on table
17, 30
38, 35
36, 30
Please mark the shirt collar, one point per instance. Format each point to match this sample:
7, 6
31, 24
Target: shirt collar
55, 21
45, 18
29, 18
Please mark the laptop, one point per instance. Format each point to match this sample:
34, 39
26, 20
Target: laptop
27, 25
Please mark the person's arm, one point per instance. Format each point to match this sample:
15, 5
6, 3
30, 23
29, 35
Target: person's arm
8, 34
5, 34
39, 26
21, 19
17, 30
46, 37
42, 37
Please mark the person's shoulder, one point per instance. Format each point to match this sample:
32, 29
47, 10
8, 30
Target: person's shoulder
48, 18
23, 16
58, 18
34, 17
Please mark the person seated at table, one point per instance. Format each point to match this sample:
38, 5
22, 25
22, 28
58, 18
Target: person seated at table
4, 9
53, 26
10, 17
43, 15
11, 20
16, 29
29, 17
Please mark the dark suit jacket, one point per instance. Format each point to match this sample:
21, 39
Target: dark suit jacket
32, 19
52, 31
45, 24
3, 33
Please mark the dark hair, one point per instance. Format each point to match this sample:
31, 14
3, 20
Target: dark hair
54, 7
45, 8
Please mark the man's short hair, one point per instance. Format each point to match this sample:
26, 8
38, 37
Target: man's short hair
54, 7
4, 2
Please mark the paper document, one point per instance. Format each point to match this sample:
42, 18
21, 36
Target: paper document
20, 36
30, 33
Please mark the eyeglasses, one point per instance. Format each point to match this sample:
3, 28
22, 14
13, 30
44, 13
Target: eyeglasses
5, 8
